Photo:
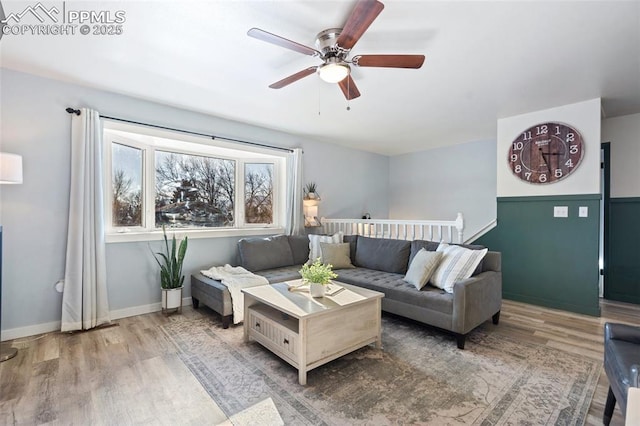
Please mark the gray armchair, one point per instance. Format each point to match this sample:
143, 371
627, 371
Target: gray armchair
621, 363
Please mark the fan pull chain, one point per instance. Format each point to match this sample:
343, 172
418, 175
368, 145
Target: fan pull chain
348, 93
319, 96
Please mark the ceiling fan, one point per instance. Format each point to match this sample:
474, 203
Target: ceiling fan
333, 48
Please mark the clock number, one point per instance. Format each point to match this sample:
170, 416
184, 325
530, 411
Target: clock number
517, 146
558, 173
542, 177
518, 168
571, 137
573, 149
542, 130
526, 136
557, 130
514, 158
527, 175
569, 163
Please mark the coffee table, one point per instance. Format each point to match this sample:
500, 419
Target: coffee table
308, 332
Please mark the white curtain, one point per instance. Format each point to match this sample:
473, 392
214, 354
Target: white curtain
84, 300
295, 216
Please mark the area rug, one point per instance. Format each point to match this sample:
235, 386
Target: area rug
419, 377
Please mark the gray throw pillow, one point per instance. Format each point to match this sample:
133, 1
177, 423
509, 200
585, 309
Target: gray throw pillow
422, 266
337, 255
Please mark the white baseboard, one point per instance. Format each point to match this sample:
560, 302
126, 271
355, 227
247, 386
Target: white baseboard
30, 330
48, 327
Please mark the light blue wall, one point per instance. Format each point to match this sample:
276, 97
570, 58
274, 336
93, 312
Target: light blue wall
440, 182
35, 125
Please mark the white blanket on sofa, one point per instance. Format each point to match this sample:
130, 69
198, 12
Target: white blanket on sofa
235, 278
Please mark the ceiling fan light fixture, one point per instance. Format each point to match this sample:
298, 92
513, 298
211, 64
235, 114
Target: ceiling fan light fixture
334, 71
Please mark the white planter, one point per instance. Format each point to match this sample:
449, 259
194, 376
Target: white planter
171, 299
316, 290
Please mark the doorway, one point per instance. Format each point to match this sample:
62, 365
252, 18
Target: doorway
605, 186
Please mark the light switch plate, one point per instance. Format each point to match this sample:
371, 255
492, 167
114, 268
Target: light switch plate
583, 211
560, 211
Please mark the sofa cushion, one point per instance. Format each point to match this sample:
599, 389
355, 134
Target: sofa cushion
422, 267
337, 255
394, 287
257, 254
383, 254
315, 240
278, 275
416, 245
299, 248
458, 263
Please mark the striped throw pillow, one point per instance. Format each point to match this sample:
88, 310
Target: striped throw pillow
315, 240
458, 263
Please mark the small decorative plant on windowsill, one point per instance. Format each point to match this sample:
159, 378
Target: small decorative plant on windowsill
171, 278
317, 275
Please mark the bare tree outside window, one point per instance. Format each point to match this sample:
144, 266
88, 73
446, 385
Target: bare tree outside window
126, 185
194, 191
258, 193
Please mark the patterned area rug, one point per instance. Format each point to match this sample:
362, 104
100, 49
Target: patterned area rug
420, 377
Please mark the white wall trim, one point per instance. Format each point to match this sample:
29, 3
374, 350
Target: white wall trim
48, 327
30, 330
488, 227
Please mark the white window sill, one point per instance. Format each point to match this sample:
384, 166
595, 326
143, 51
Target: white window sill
132, 236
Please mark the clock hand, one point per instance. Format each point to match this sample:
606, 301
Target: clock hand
544, 159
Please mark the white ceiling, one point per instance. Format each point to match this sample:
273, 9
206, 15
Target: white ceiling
485, 60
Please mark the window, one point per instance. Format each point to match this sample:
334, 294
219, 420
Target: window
157, 178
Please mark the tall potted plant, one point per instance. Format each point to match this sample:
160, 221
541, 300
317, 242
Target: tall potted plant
171, 278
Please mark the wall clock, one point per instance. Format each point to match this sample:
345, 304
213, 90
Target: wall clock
546, 153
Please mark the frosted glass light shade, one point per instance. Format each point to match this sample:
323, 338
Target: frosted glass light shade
10, 168
333, 72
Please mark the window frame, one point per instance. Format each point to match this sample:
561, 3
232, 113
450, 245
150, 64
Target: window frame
150, 139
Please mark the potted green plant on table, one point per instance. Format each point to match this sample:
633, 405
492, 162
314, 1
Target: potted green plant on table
171, 278
317, 275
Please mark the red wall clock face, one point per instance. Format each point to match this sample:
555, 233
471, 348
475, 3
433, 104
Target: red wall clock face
546, 153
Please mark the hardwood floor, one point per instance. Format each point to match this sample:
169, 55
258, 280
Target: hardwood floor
131, 374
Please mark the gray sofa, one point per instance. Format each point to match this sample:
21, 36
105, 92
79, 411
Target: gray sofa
380, 264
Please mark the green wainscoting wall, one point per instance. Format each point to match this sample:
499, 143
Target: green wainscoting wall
623, 259
546, 260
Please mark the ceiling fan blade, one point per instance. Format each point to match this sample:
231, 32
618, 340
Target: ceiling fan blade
293, 78
365, 12
389, 61
281, 41
349, 88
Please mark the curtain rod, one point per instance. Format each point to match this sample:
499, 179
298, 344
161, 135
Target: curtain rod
213, 137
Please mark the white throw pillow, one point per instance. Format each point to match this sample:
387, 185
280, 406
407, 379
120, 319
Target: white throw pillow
458, 263
315, 240
422, 266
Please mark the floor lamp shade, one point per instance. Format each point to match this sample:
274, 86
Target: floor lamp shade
11, 173
10, 168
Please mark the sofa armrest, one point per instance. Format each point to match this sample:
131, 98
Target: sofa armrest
475, 300
627, 333
492, 261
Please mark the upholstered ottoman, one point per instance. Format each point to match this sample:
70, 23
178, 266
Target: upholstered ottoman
213, 294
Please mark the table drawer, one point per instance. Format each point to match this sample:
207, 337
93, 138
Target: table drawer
281, 337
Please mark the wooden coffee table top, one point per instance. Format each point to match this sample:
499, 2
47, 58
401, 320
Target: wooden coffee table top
299, 304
